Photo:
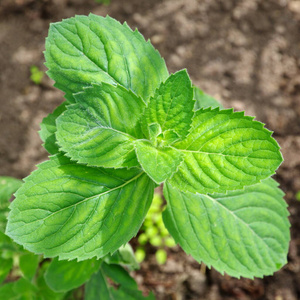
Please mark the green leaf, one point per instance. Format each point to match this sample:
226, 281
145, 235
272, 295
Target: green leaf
172, 105
123, 256
21, 289
100, 129
74, 211
48, 129
85, 50
243, 233
28, 265
119, 275
63, 275
128, 289
97, 288
159, 163
205, 101
6, 266
44, 292
225, 150
8, 186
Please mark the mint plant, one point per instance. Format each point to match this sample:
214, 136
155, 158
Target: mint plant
127, 125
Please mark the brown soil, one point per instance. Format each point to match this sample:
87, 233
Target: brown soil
244, 52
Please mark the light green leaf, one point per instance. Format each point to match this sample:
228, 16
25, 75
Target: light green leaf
204, 100
63, 275
85, 50
159, 163
172, 105
28, 264
225, 150
243, 233
48, 129
100, 129
6, 266
73, 211
123, 256
97, 288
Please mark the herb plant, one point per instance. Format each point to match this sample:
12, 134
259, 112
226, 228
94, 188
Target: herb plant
127, 126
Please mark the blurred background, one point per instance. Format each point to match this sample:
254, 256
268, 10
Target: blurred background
245, 53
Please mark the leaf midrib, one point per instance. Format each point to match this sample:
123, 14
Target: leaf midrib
90, 198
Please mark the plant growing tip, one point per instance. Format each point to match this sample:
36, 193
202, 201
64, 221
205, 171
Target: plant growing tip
128, 125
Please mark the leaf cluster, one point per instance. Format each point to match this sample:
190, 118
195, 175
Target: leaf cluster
127, 125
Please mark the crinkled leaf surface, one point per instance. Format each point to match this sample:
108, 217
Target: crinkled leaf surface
172, 105
63, 275
225, 150
48, 129
100, 128
159, 163
92, 49
243, 233
74, 211
204, 100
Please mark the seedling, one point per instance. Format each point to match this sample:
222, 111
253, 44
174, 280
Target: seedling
154, 232
36, 75
127, 126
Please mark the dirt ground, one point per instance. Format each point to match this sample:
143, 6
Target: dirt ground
246, 53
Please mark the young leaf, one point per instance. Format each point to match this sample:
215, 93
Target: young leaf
85, 50
243, 233
159, 163
28, 265
63, 275
124, 256
225, 150
205, 101
100, 128
74, 211
48, 129
172, 105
